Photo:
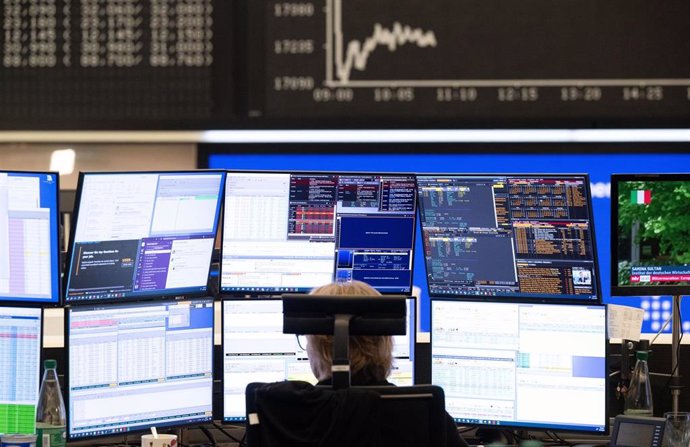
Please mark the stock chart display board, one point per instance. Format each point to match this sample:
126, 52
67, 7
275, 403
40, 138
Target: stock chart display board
115, 64
614, 60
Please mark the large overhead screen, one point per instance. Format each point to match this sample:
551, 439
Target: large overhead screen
255, 349
135, 366
29, 237
143, 235
650, 226
521, 365
20, 366
293, 231
518, 236
119, 65
360, 62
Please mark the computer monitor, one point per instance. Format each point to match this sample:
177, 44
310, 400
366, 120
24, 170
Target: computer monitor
29, 237
293, 231
650, 241
137, 365
518, 236
256, 350
143, 235
20, 368
540, 366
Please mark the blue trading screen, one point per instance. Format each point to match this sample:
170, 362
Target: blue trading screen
592, 159
144, 234
29, 247
291, 232
139, 365
511, 236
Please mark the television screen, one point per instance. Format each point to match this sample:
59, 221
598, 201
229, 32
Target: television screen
651, 234
20, 368
534, 366
143, 235
138, 365
521, 236
29, 237
293, 231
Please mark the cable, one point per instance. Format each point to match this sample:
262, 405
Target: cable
663, 327
209, 435
226, 433
680, 343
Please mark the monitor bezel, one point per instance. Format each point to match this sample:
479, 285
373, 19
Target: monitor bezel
616, 289
414, 354
41, 354
554, 299
245, 293
158, 295
517, 426
55, 262
67, 394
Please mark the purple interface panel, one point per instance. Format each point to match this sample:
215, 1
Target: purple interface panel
152, 263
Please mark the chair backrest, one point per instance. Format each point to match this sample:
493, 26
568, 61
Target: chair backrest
292, 413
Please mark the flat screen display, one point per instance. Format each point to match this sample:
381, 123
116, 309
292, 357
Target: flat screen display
256, 350
651, 234
137, 365
291, 232
521, 365
20, 368
518, 236
143, 235
29, 237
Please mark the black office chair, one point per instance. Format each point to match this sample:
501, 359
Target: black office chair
287, 414
298, 414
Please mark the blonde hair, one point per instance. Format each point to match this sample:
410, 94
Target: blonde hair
371, 356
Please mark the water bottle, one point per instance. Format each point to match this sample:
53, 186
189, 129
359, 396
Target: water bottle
50, 412
638, 401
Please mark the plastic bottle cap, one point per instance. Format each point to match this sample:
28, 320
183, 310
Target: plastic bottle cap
50, 364
642, 355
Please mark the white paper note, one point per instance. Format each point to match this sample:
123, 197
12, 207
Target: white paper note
625, 322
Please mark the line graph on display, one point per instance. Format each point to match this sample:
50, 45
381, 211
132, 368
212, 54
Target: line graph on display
346, 58
358, 53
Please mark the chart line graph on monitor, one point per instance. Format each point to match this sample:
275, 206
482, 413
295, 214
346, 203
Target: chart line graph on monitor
344, 57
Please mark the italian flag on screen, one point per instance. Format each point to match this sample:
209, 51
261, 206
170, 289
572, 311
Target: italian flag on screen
641, 197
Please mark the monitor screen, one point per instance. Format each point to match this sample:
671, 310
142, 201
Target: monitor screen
141, 235
650, 222
291, 232
137, 365
256, 350
29, 237
518, 236
521, 365
20, 367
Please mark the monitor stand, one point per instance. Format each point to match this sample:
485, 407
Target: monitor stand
675, 351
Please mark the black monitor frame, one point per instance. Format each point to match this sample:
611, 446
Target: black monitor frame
413, 340
66, 387
607, 353
245, 293
554, 299
652, 290
55, 262
41, 353
143, 296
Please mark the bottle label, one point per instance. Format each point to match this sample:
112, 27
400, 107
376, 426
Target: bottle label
50, 436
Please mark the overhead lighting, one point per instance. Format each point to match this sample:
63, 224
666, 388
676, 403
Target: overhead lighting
62, 160
448, 136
